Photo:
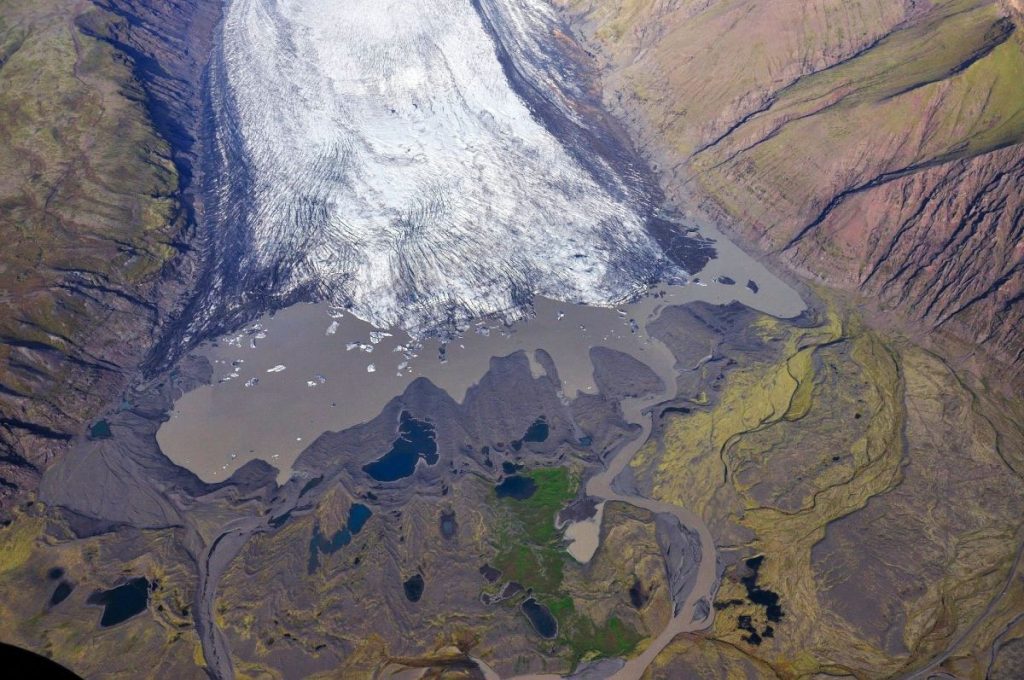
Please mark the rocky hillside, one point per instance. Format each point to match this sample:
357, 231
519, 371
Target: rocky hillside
875, 146
95, 210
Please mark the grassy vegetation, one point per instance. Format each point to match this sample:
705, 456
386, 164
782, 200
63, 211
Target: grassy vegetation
530, 553
845, 421
588, 640
943, 88
17, 541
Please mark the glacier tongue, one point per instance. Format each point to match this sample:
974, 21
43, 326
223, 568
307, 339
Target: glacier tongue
389, 165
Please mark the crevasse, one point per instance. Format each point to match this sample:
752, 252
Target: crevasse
390, 165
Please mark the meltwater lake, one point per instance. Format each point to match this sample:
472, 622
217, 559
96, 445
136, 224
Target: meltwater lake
285, 379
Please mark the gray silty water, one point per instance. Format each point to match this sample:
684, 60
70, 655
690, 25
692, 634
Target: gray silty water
287, 378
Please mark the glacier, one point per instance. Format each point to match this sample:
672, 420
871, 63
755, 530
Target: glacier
376, 154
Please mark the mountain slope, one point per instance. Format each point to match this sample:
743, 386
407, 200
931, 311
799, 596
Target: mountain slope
94, 218
873, 146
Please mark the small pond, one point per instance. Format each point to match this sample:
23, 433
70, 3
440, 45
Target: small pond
540, 616
518, 487
123, 602
413, 587
416, 440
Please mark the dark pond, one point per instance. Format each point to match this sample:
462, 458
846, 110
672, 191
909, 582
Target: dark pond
413, 587
510, 468
726, 281
100, 430
490, 573
537, 432
61, 593
676, 409
540, 616
762, 596
123, 602
311, 484
637, 596
448, 524
516, 486
358, 514
745, 623
416, 439
752, 286
278, 522
55, 573
755, 595
758, 595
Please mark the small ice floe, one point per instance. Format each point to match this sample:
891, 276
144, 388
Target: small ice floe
252, 382
697, 282
351, 346
252, 343
633, 326
261, 335
316, 381
483, 330
561, 315
371, 368
377, 336
234, 455
335, 313
276, 369
298, 439
333, 328
621, 312
403, 365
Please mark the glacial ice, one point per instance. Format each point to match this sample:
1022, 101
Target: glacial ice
391, 167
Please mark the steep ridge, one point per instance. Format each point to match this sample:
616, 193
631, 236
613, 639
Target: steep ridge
97, 118
873, 146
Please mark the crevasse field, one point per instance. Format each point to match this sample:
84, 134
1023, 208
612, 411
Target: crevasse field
393, 166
